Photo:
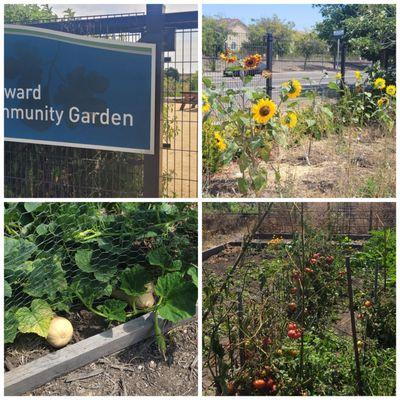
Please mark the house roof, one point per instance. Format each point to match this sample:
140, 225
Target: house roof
232, 22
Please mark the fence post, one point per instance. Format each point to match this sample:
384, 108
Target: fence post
353, 327
242, 356
268, 55
152, 163
343, 62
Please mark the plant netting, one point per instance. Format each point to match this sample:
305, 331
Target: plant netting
98, 256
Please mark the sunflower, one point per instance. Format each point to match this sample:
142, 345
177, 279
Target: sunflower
205, 104
379, 83
293, 88
263, 111
228, 56
266, 74
289, 119
382, 101
338, 76
357, 74
391, 90
252, 61
221, 145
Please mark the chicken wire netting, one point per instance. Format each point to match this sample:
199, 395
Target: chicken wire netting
61, 257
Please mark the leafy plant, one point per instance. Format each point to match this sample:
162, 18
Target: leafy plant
100, 256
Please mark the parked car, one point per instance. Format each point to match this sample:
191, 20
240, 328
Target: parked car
228, 72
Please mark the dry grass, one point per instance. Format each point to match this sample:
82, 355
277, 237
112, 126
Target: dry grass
356, 164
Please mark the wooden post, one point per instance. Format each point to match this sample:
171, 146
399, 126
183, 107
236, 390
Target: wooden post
302, 292
353, 327
384, 261
153, 163
242, 356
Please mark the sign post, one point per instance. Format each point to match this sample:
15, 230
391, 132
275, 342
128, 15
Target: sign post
338, 35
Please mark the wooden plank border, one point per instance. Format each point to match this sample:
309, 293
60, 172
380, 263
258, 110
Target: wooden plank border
38, 372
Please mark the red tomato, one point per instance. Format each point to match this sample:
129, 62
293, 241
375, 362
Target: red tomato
329, 259
368, 304
316, 255
270, 383
292, 306
360, 316
313, 261
259, 384
293, 290
267, 341
292, 326
297, 334
230, 387
291, 333
308, 270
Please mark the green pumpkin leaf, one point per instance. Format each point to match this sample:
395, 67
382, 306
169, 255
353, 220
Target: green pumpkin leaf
178, 297
10, 326
35, 319
193, 273
159, 257
133, 280
47, 279
83, 260
17, 251
30, 207
114, 310
7, 289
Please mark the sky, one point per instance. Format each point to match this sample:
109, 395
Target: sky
303, 15
99, 9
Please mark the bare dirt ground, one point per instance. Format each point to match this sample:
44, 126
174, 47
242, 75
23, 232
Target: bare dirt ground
180, 159
357, 165
136, 370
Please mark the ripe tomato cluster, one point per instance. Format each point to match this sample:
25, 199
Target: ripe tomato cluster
293, 331
267, 384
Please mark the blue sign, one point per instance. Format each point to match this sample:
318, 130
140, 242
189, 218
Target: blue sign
69, 90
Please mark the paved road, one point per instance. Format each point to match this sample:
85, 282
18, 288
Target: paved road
306, 78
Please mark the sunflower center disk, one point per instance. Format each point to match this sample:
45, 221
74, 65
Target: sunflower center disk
264, 111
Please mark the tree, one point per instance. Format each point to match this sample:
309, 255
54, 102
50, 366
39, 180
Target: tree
214, 37
308, 44
370, 28
172, 73
22, 13
281, 30
69, 13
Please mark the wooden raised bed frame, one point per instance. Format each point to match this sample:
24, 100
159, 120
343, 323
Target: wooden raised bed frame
38, 372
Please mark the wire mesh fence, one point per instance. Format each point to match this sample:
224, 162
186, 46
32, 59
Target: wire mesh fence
62, 257
284, 218
33, 170
313, 71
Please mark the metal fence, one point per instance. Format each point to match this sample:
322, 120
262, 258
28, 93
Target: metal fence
316, 70
284, 218
33, 170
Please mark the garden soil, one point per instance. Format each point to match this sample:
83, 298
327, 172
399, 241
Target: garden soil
136, 370
360, 166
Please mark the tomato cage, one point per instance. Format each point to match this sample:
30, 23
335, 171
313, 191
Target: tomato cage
96, 278
292, 290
